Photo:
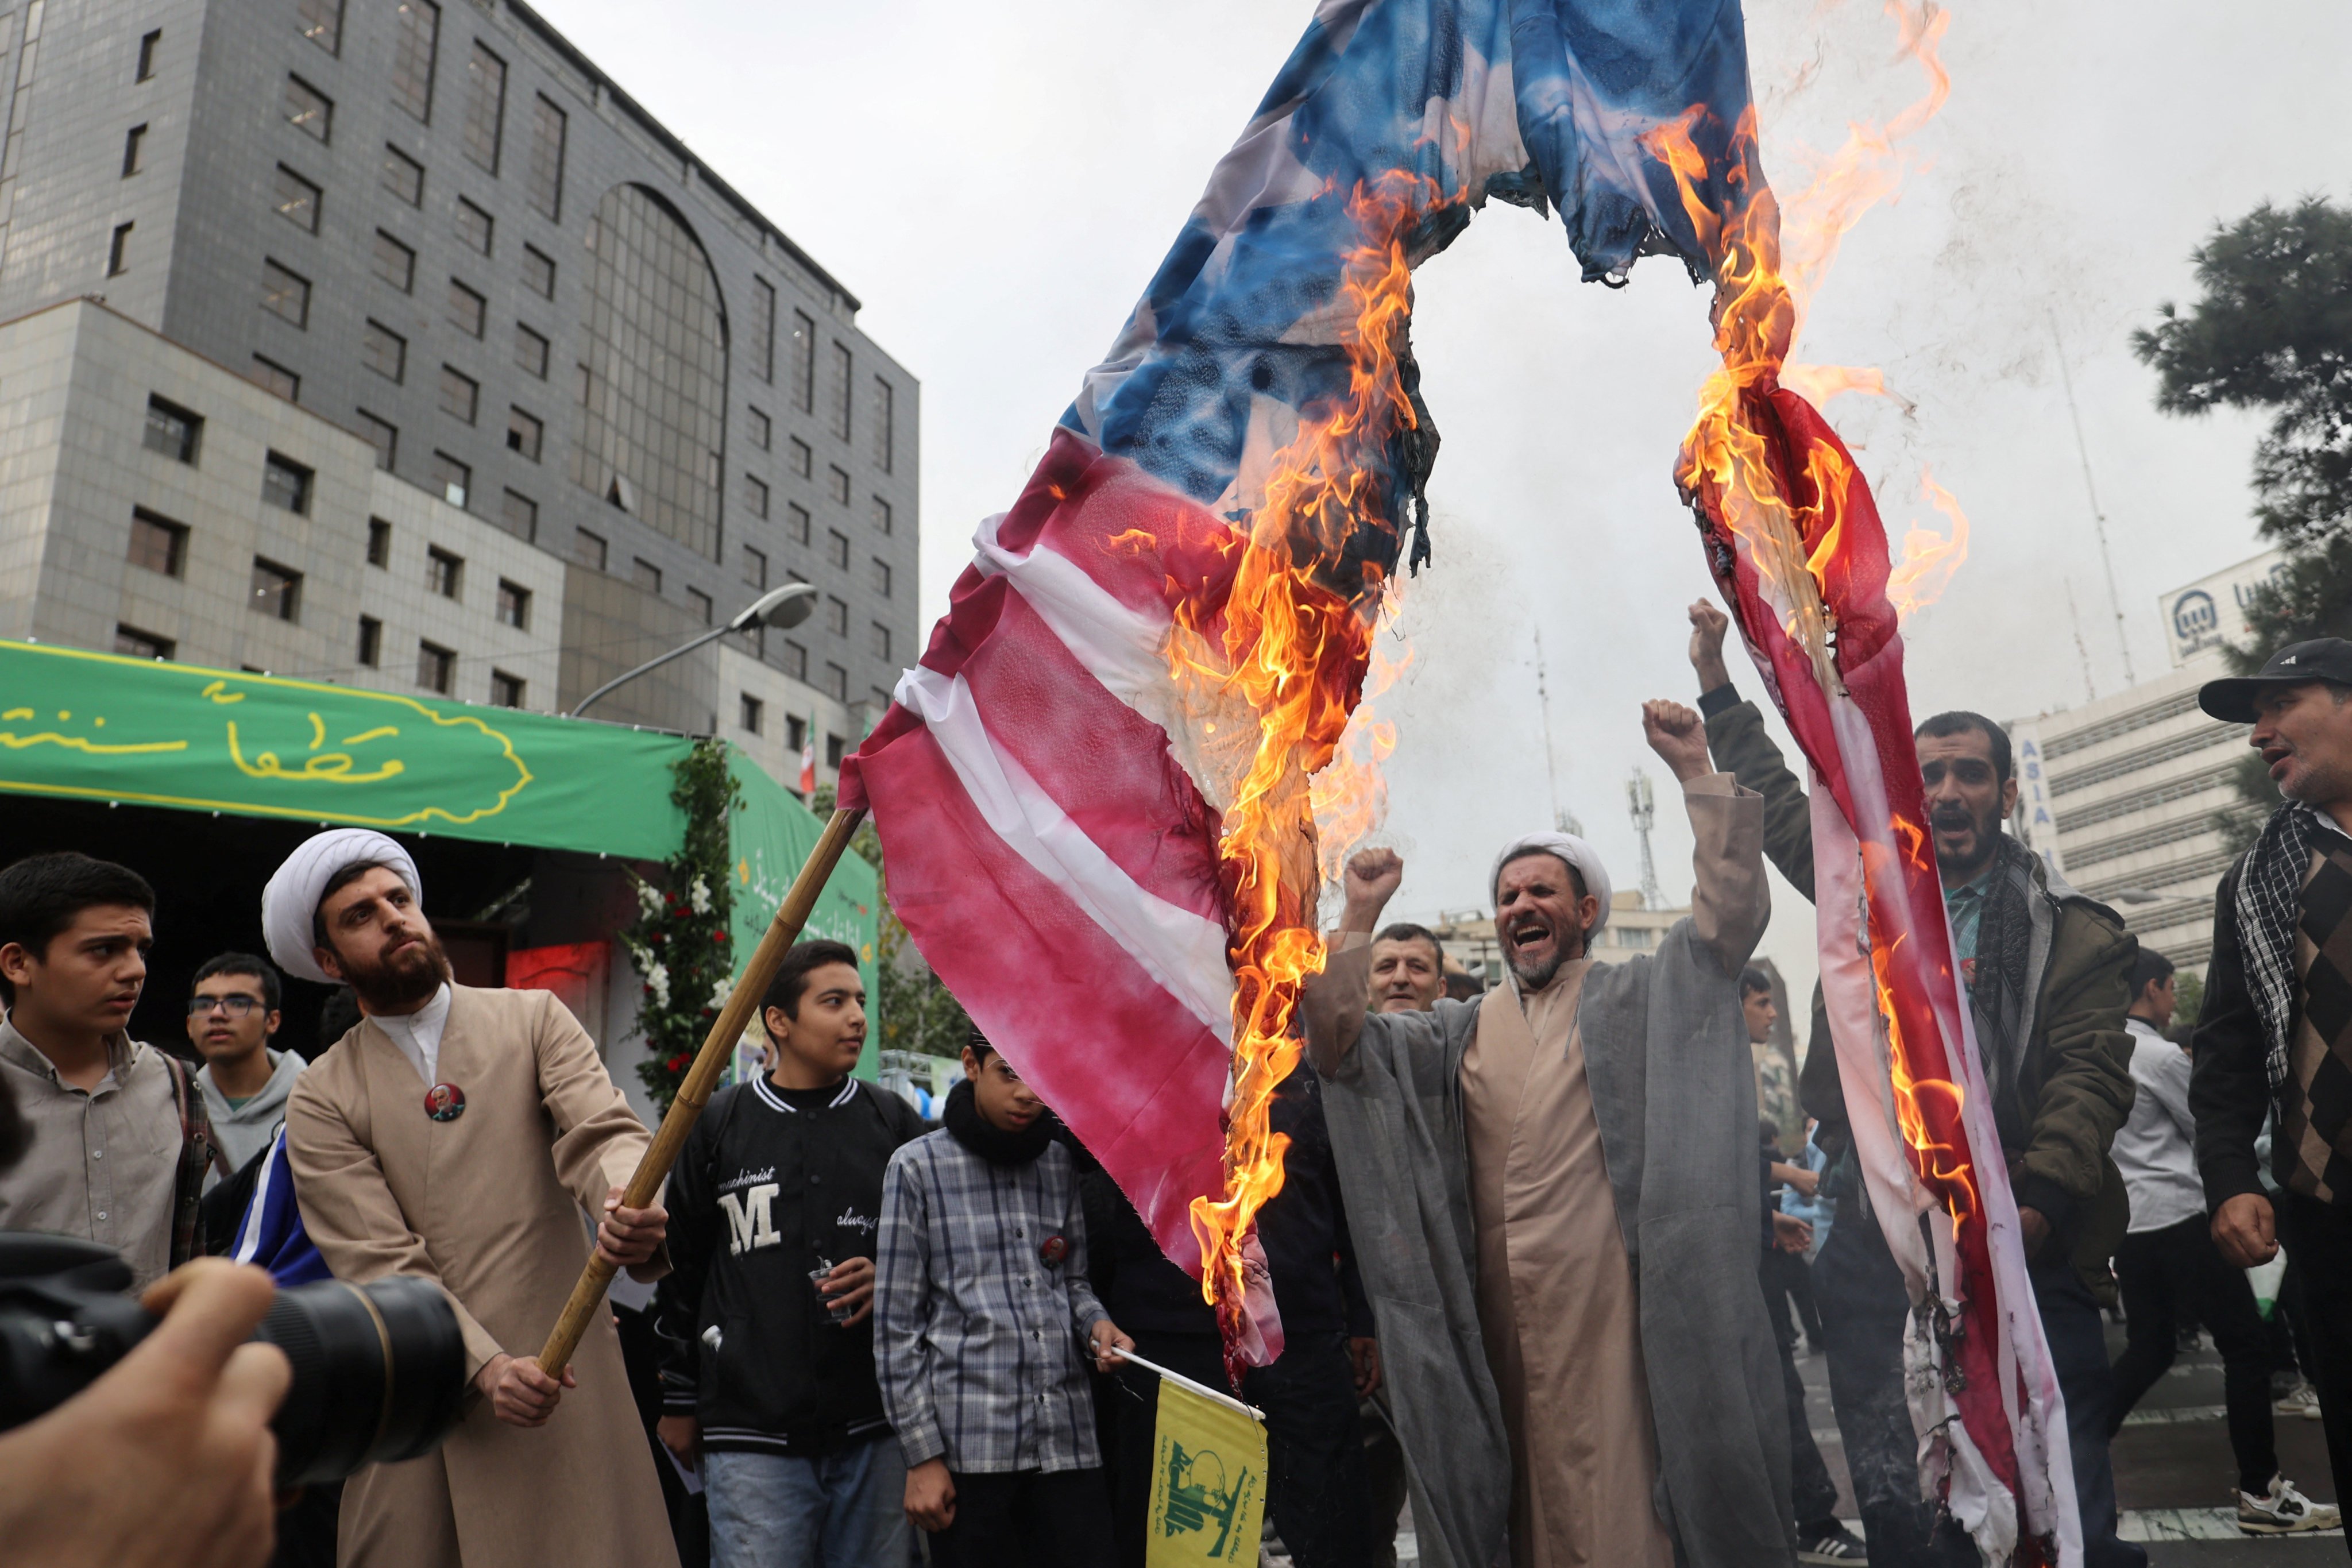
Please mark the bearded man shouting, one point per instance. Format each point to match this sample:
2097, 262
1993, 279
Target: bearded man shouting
458, 1135
1557, 1206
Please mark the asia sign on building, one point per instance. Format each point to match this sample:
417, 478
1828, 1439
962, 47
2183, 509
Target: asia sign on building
2200, 618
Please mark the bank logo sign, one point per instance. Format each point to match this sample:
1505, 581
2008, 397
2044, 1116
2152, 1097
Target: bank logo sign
2200, 618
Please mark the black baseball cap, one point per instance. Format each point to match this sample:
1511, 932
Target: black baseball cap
2297, 664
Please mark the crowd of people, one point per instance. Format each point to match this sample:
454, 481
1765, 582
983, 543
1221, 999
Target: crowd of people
1543, 1263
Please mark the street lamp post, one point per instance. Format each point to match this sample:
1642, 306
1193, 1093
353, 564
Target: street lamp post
781, 607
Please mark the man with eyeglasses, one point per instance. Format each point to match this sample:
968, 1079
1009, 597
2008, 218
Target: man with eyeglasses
232, 1014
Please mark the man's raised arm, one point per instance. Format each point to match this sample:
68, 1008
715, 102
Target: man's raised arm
1741, 747
1729, 900
1331, 1004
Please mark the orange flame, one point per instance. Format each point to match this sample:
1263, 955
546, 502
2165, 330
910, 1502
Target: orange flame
1350, 796
1293, 653
1929, 558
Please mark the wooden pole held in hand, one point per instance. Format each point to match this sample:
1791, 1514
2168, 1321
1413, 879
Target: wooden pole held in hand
743, 1005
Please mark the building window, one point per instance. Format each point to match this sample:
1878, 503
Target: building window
801, 457
384, 350
296, 200
307, 110
838, 482
486, 107
436, 667
286, 483
837, 686
763, 433
646, 575
403, 176
118, 251
468, 312
588, 549
394, 262
271, 376
755, 496
803, 350
699, 604
764, 329
514, 606
881, 640
461, 395
370, 649
134, 150
452, 479
654, 347
543, 181
321, 22
882, 578
796, 522
473, 229
158, 543
881, 515
379, 545
444, 574
416, 39
149, 46
795, 731
520, 515
529, 352
523, 434
384, 436
837, 619
885, 421
755, 568
171, 430
752, 714
538, 272
795, 660
505, 691
276, 590
285, 294
843, 368
836, 548
137, 643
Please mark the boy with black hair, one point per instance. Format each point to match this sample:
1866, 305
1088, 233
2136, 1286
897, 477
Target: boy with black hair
121, 1145
232, 1016
986, 1329
767, 1343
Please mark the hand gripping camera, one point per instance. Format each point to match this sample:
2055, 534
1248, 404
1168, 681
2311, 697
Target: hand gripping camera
379, 1369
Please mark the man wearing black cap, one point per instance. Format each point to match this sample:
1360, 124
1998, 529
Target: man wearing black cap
2276, 1035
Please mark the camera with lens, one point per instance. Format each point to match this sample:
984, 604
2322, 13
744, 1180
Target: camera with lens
379, 1369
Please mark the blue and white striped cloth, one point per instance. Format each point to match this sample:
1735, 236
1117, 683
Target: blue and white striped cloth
271, 1234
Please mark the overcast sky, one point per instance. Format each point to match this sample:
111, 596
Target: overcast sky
997, 179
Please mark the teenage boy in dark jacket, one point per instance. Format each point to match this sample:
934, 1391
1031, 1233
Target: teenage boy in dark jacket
768, 1339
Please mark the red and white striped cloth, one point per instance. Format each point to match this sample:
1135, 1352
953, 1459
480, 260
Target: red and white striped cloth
1048, 798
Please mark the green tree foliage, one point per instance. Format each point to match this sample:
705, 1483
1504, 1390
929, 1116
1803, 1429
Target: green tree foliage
912, 1010
680, 941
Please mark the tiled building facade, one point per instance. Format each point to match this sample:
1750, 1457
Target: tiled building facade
441, 229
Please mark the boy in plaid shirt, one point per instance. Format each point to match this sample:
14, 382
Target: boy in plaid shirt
985, 1330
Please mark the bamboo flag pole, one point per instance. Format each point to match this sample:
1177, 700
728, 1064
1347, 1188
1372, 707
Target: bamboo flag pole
693, 1094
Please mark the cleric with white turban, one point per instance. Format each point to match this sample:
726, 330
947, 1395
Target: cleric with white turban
289, 904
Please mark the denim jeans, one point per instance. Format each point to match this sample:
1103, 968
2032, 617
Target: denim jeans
844, 1509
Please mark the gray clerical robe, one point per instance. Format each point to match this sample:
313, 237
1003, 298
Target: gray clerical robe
1449, 1126
488, 1206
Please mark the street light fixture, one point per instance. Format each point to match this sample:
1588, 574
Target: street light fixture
783, 608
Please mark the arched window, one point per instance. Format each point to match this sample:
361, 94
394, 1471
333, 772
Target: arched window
652, 389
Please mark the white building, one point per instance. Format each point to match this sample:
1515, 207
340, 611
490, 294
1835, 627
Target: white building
2121, 794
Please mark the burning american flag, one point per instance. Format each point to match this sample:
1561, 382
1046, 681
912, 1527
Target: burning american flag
1096, 793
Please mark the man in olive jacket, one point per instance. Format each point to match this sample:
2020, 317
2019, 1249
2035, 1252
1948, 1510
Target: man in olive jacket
2047, 975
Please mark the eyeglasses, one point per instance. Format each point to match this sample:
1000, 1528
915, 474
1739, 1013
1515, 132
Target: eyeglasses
234, 1005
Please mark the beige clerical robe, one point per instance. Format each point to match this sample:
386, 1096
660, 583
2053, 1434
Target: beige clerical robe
1557, 1304
487, 1205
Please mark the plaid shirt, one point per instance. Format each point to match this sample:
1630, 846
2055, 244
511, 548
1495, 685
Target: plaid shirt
979, 1344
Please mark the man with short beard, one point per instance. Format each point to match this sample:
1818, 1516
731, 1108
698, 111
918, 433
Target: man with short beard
1556, 1199
1408, 969
2275, 1038
462, 1136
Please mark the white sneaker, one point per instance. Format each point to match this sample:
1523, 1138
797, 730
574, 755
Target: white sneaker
2284, 1512
2303, 1400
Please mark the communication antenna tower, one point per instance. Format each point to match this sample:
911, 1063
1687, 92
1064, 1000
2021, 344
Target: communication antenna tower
2082, 648
2098, 517
1645, 811
1562, 820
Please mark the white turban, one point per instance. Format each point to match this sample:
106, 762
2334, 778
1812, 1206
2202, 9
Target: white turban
291, 901
1577, 852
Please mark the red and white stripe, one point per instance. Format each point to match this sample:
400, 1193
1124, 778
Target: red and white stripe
1046, 793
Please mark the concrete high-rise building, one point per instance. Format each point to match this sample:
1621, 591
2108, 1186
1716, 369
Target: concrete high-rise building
441, 229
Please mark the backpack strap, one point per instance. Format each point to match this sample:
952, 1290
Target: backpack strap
199, 1154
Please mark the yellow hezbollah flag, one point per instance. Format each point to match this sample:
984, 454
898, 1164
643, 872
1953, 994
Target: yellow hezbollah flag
1208, 1483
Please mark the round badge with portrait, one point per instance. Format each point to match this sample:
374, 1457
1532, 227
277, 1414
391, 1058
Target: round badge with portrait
445, 1102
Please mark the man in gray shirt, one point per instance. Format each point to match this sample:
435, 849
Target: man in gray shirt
232, 1015
120, 1141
